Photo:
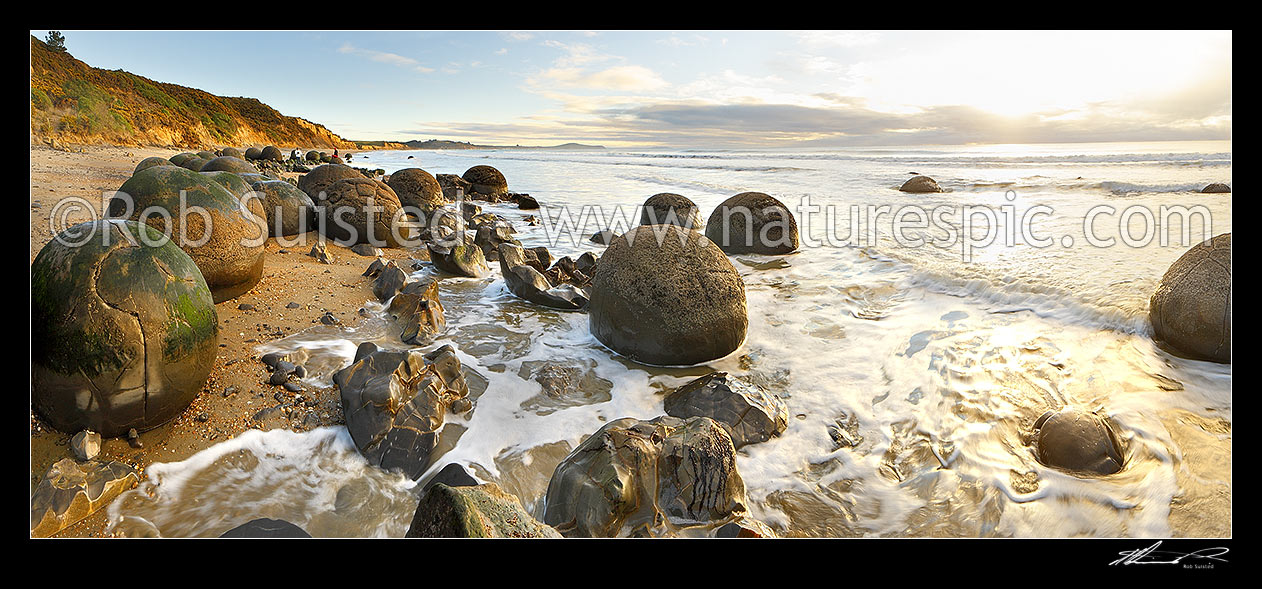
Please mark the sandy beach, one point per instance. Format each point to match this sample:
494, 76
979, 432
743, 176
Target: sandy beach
290, 277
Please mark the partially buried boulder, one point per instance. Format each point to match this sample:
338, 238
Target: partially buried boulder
223, 236
920, 184
1217, 187
232, 152
229, 164
753, 223
750, 414
318, 180
266, 528
417, 188
194, 163
123, 334
289, 210
632, 476
1078, 441
360, 210
670, 209
395, 403
527, 282
486, 181
677, 301
482, 511
150, 162
1191, 308
71, 491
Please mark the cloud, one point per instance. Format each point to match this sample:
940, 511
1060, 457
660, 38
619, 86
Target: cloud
518, 36
837, 38
622, 78
384, 57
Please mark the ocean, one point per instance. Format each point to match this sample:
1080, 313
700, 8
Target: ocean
929, 355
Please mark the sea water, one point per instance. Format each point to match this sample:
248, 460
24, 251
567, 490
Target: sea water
912, 373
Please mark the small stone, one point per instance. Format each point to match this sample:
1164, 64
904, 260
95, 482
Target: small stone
230, 391
293, 387
245, 307
461, 405
203, 417
133, 438
329, 319
86, 445
293, 305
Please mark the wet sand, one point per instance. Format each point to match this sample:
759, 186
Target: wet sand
294, 276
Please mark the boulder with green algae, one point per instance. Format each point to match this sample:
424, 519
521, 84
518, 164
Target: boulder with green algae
207, 154
229, 164
1191, 308
179, 158
232, 152
289, 210
360, 210
417, 188
194, 163
313, 156
750, 414
233, 181
318, 180
637, 478
458, 256
670, 209
224, 236
753, 223
668, 301
482, 511
485, 181
150, 162
123, 334
395, 402
71, 491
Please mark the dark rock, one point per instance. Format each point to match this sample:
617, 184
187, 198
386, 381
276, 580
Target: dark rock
266, 528
920, 184
452, 475
603, 237
388, 282
122, 336
395, 402
321, 253
750, 414
486, 181
482, 511
527, 202
528, 283
245, 307
253, 153
232, 152
366, 250
328, 319
228, 164
271, 153
489, 238
289, 210
744, 528
1191, 308
417, 309
1079, 442
453, 186
375, 268
71, 491
1216, 187
667, 303
133, 439
632, 476
293, 305
670, 209
753, 222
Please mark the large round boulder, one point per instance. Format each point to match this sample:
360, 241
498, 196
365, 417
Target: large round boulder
224, 236
670, 209
150, 162
272, 153
677, 301
232, 181
313, 156
207, 154
289, 210
123, 333
317, 181
753, 223
417, 188
1078, 441
1191, 309
179, 158
646, 478
194, 163
232, 152
1217, 187
360, 210
228, 163
920, 184
486, 181
253, 153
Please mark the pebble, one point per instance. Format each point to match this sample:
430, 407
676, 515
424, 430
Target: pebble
293, 306
329, 319
86, 445
133, 438
245, 307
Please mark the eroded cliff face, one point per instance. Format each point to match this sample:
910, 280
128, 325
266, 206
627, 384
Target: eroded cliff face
74, 103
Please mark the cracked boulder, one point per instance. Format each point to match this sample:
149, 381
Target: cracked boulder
123, 334
395, 403
750, 414
359, 210
1191, 308
71, 491
222, 235
526, 281
638, 478
417, 310
481, 511
316, 182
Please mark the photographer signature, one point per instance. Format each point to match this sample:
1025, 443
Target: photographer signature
1151, 555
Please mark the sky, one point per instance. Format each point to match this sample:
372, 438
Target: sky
706, 89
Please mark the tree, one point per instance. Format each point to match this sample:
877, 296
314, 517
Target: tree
56, 40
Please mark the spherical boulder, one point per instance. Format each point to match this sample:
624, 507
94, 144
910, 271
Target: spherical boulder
253, 153
207, 155
179, 158
920, 184
753, 223
224, 237
195, 163
289, 210
150, 162
272, 153
229, 164
315, 182
313, 156
1078, 441
486, 181
417, 188
123, 333
670, 209
232, 152
1191, 308
1217, 187
360, 210
673, 301
235, 184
